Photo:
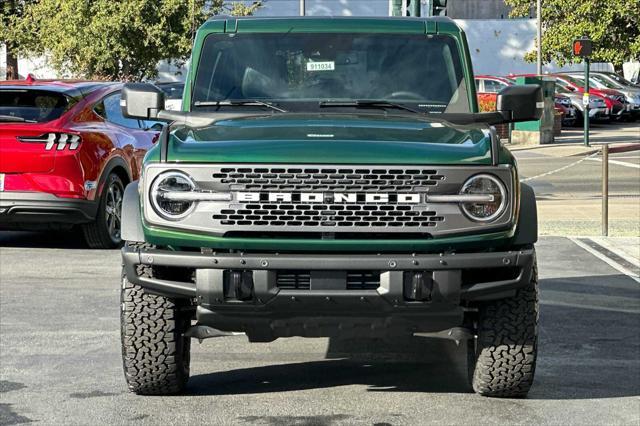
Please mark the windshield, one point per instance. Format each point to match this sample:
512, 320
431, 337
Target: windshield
29, 105
620, 80
573, 80
607, 82
298, 71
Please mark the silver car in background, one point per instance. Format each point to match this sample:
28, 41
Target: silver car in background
597, 106
605, 80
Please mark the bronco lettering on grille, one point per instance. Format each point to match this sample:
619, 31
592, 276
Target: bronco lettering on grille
329, 197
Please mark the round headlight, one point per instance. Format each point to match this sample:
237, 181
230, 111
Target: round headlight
485, 211
165, 184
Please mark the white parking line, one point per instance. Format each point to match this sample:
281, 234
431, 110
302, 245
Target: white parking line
602, 241
615, 265
619, 163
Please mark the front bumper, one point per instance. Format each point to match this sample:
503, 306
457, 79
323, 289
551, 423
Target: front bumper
328, 306
26, 210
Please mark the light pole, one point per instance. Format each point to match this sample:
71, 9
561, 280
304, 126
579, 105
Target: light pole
302, 8
539, 35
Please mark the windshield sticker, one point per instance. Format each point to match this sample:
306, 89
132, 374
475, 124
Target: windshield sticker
321, 66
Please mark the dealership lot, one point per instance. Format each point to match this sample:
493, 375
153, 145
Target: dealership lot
60, 360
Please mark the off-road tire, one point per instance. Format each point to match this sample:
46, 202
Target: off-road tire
155, 354
97, 233
502, 360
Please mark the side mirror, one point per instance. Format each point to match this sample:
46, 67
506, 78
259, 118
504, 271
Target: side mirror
520, 103
142, 101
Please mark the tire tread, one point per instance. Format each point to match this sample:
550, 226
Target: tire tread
155, 354
507, 344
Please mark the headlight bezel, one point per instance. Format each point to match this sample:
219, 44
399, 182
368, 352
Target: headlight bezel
154, 193
504, 200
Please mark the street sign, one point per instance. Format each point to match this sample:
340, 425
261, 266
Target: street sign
582, 47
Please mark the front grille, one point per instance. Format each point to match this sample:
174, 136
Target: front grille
331, 215
294, 280
328, 214
325, 179
363, 280
301, 280
349, 201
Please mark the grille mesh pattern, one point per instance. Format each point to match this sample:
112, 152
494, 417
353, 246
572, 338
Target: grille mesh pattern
333, 215
363, 280
301, 280
294, 280
328, 179
338, 215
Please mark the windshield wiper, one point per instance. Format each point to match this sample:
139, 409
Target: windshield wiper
238, 102
14, 119
365, 103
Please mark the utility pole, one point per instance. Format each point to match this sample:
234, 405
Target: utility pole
539, 53
302, 8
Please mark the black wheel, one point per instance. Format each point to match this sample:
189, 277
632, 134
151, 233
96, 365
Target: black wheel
155, 354
502, 360
104, 232
579, 122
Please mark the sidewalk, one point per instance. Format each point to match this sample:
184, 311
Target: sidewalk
570, 143
568, 149
583, 217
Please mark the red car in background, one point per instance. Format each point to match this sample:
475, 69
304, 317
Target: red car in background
66, 155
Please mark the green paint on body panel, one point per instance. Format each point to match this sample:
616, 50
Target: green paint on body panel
331, 139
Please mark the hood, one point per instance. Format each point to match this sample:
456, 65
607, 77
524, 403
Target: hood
332, 139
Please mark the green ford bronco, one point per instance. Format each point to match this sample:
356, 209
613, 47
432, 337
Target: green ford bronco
330, 177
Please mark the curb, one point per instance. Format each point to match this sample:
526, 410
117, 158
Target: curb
619, 145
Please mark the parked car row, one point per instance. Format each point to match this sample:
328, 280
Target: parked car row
611, 96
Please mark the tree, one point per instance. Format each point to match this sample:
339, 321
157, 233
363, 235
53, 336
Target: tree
10, 12
613, 25
107, 39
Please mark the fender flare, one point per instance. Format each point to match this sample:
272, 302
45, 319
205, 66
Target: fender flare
131, 225
527, 228
106, 171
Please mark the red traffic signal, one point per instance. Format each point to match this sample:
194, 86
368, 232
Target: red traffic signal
582, 47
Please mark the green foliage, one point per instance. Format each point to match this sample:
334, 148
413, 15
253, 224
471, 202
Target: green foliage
111, 39
613, 25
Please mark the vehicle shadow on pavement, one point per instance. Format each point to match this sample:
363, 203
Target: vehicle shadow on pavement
409, 365
589, 338
71, 239
588, 348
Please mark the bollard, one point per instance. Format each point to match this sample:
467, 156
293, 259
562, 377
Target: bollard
605, 190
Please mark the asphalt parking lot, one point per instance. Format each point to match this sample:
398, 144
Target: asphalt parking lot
60, 355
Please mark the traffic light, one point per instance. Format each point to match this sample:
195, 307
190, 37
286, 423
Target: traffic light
438, 7
582, 47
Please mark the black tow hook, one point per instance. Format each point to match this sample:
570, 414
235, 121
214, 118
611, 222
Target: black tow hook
202, 332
